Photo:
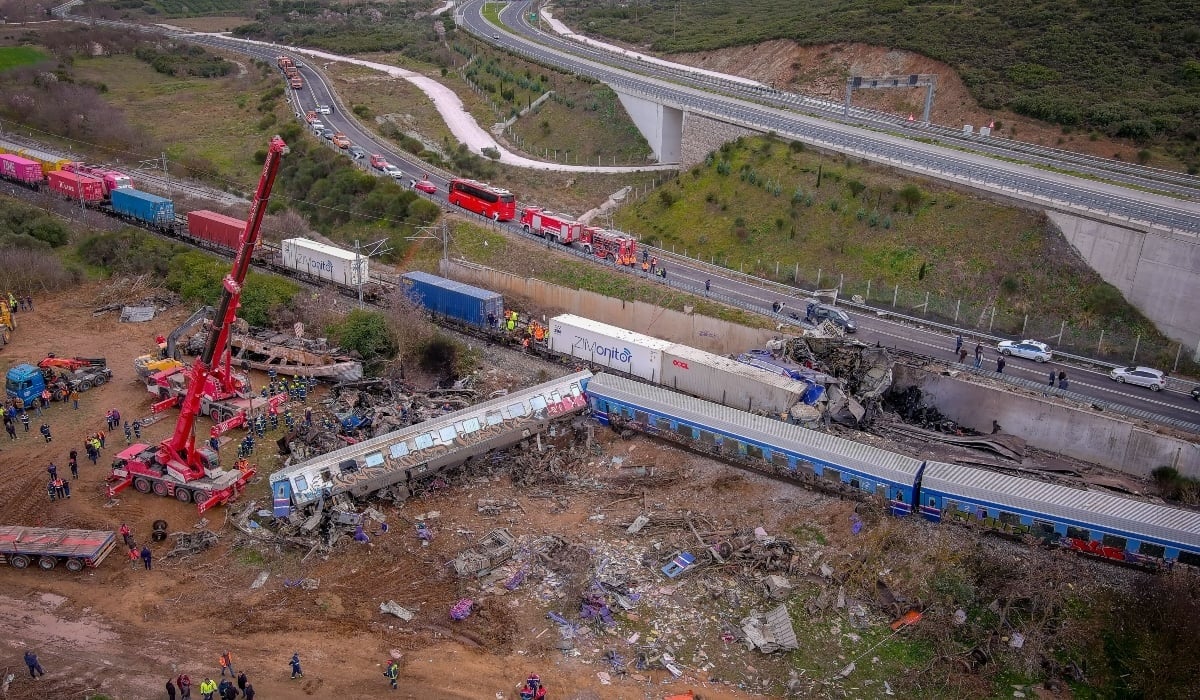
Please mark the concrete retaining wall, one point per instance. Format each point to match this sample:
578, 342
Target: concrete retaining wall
1096, 438
1158, 273
702, 136
711, 334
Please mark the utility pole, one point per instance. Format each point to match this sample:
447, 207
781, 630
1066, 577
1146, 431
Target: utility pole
435, 233
360, 260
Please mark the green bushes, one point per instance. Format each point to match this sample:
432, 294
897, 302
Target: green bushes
368, 334
197, 277
28, 227
183, 60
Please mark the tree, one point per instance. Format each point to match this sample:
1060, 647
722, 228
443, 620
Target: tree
912, 196
368, 334
856, 188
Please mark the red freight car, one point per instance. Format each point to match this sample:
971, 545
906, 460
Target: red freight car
22, 170
74, 186
215, 228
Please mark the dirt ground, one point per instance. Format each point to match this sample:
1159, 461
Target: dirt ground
821, 71
122, 630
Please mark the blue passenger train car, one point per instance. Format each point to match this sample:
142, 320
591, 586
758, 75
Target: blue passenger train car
732, 433
1093, 522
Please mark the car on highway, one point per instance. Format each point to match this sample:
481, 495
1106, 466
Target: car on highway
378, 162
495, 36
1029, 349
816, 312
1196, 393
324, 109
425, 186
393, 171
327, 134
1140, 376
357, 153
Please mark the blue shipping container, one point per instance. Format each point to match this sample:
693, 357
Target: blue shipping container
143, 206
455, 299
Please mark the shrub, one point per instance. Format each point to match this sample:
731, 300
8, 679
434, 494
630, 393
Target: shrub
366, 333
912, 196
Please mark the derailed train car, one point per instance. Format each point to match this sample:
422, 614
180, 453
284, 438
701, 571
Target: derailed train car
1116, 528
403, 459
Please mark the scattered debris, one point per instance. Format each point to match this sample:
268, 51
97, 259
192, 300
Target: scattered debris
187, 543
770, 632
137, 314
493, 549
393, 608
260, 580
777, 587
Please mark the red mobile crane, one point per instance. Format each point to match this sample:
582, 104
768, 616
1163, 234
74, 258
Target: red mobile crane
177, 466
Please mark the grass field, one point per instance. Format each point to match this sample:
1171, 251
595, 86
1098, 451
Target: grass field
1102, 65
757, 206
15, 56
213, 120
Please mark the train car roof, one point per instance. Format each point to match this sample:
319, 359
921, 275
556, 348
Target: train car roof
452, 285
865, 459
1098, 509
138, 194
742, 370
382, 442
641, 339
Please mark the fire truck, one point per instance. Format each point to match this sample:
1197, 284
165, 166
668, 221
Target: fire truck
559, 228
179, 467
288, 66
614, 246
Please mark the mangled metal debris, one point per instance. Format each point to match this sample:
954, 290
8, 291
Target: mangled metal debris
264, 349
188, 543
495, 548
771, 631
393, 608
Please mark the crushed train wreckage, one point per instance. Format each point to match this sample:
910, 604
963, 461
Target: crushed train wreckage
291, 355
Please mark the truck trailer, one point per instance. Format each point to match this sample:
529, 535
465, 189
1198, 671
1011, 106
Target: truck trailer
325, 261
48, 547
454, 299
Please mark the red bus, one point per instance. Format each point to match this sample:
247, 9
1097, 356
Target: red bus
483, 199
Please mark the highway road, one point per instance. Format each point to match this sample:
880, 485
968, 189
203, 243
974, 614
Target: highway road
743, 290
1051, 189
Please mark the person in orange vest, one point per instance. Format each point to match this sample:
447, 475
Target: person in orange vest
539, 332
226, 661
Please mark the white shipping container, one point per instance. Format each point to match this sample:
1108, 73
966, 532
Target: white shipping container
324, 261
728, 382
609, 346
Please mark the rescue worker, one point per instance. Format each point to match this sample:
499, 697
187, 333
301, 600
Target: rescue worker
539, 333
241, 679
50, 490
100, 437
249, 691
510, 326
52, 470
126, 535
184, 682
653, 264
295, 662
10, 428
35, 666
73, 463
707, 286
25, 420
207, 687
128, 433
223, 688
645, 267
146, 556
45, 431
226, 661
137, 429
170, 689
75, 399
491, 320
526, 693
392, 673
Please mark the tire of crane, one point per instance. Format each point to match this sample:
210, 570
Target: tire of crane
47, 563
183, 495
525, 228
19, 561
215, 414
74, 565
159, 526
99, 379
85, 385
141, 484
160, 489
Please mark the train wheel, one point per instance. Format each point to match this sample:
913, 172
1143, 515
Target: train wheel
19, 561
47, 563
183, 495
141, 484
160, 489
74, 565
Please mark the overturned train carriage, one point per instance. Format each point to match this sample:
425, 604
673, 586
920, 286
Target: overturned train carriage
403, 459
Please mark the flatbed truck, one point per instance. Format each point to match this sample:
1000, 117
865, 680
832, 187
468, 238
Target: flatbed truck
48, 547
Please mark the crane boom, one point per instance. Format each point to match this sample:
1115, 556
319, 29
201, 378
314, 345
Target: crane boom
180, 447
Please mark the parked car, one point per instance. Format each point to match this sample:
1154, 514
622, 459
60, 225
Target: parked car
1029, 349
1140, 376
324, 109
425, 186
357, 153
815, 312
